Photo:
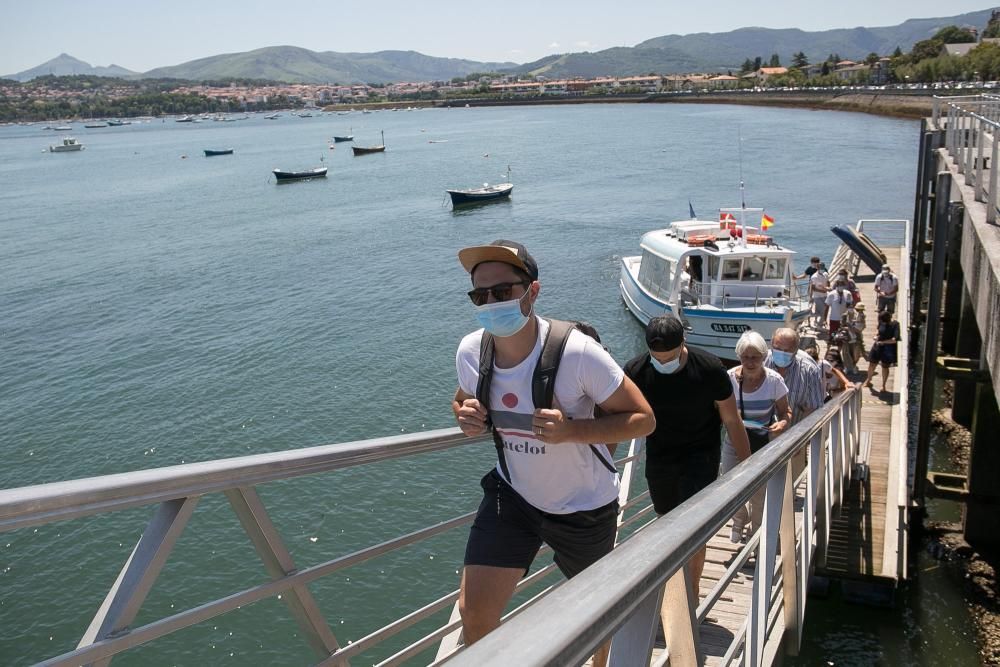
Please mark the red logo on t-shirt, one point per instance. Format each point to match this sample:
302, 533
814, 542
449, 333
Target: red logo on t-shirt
510, 400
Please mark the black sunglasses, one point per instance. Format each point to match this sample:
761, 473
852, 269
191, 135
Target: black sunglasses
500, 292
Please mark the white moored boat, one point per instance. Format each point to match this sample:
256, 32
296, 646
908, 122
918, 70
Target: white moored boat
68, 145
746, 281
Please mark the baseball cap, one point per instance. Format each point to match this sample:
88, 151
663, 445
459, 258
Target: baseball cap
664, 333
508, 252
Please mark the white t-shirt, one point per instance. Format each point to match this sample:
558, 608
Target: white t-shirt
887, 283
838, 302
758, 405
820, 284
561, 478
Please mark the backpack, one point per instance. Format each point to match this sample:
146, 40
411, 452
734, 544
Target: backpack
543, 378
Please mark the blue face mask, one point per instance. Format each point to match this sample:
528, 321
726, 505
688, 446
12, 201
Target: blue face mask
781, 358
667, 368
502, 318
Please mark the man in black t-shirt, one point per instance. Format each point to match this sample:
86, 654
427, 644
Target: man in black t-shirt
692, 397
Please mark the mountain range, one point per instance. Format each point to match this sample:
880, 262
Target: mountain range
699, 52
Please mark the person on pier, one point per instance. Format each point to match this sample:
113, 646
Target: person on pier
802, 376
886, 289
549, 484
692, 398
885, 348
762, 400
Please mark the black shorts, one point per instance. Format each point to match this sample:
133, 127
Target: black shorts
509, 531
672, 483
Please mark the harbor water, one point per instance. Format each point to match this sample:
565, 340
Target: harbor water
160, 307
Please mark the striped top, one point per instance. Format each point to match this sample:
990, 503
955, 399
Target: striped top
805, 382
757, 407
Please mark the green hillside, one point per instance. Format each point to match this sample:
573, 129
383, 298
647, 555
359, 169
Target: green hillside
297, 65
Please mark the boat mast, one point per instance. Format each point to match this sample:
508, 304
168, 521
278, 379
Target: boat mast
743, 201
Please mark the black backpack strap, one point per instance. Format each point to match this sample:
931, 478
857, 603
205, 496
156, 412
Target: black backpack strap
486, 346
543, 381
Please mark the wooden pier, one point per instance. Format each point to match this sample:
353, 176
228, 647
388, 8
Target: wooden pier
866, 549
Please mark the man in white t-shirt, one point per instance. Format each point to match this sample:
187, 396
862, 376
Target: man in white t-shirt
819, 284
838, 300
886, 288
549, 485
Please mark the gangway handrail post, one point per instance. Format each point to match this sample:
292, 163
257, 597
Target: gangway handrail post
821, 491
793, 590
991, 196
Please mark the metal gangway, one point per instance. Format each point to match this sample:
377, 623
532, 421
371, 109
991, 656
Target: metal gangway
750, 608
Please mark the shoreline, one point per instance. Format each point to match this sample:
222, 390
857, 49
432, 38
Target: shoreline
892, 104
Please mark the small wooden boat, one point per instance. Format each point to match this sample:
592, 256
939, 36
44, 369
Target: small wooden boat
486, 193
222, 151
281, 175
346, 137
365, 150
68, 145
94, 126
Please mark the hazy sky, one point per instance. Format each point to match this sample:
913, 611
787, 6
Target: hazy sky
143, 34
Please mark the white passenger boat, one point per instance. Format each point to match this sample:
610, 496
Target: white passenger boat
746, 281
69, 144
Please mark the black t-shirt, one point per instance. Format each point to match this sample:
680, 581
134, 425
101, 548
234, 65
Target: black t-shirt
684, 405
810, 270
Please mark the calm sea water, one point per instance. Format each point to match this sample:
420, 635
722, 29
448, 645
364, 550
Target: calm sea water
159, 307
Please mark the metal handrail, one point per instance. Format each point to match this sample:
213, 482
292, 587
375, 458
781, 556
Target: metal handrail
619, 595
968, 131
176, 487
55, 501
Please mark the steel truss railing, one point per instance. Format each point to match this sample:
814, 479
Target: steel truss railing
620, 597
636, 571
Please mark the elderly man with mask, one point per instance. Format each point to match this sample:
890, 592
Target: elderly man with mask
802, 376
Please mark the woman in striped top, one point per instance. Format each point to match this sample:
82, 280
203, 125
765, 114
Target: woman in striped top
762, 399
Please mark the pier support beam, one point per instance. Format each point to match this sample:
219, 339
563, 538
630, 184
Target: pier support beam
982, 518
953, 287
941, 224
969, 345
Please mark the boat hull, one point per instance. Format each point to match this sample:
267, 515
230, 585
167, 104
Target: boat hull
366, 150
713, 329
210, 153
475, 196
338, 140
284, 176
862, 246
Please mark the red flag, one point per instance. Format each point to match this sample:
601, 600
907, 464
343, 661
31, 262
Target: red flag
766, 222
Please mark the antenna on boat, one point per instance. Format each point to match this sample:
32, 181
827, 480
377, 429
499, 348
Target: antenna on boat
743, 200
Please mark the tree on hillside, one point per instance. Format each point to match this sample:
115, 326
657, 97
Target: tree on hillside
825, 69
747, 66
775, 60
833, 58
757, 62
871, 58
925, 49
799, 60
952, 34
992, 26
897, 53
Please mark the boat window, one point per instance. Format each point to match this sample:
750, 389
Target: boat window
731, 269
654, 273
713, 268
753, 268
775, 268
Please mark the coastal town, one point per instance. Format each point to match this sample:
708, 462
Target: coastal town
954, 59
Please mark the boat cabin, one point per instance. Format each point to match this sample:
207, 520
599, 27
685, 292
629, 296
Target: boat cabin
707, 264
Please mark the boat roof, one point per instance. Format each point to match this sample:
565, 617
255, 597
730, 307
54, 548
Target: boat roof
686, 237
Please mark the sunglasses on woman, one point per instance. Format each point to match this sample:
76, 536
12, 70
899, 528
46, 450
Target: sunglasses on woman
500, 292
